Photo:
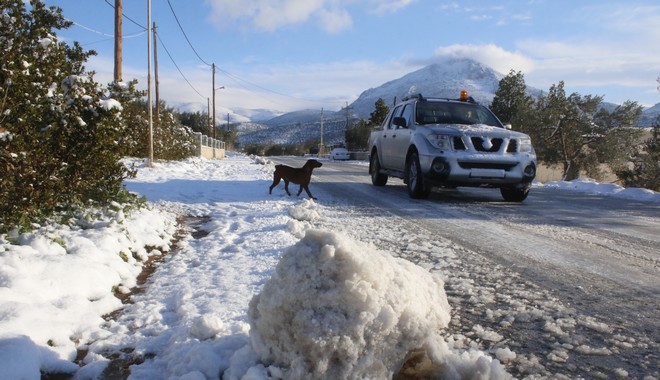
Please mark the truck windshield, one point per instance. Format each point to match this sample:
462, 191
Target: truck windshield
454, 113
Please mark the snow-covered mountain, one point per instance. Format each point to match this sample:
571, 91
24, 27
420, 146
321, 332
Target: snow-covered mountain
436, 80
444, 80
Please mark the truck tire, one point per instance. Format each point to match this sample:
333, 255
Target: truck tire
377, 178
417, 189
513, 194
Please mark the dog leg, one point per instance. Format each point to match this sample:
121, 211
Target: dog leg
307, 191
276, 181
286, 186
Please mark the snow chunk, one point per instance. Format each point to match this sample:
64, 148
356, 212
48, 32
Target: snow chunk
5, 135
206, 327
109, 104
45, 42
472, 364
505, 354
338, 309
306, 210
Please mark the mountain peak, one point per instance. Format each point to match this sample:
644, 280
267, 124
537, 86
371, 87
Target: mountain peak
441, 79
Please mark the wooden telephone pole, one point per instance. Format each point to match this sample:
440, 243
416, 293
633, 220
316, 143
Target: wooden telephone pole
150, 162
118, 39
156, 83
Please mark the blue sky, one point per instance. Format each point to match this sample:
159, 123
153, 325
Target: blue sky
297, 54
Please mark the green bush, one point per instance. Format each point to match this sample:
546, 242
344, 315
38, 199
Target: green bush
59, 128
645, 163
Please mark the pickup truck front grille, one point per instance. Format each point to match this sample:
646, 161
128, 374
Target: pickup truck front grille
459, 144
512, 147
483, 144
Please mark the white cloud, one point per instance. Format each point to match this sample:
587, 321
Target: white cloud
389, 6
491, 55
334, 21
265, 15
269, 15
590, 63
272, 14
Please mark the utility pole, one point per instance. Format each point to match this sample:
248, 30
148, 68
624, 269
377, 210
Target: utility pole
321, 147
150, 162
156, 83
118, 39
348, 114
208, 113
213, 84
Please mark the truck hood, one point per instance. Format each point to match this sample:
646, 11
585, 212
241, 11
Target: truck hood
473, 130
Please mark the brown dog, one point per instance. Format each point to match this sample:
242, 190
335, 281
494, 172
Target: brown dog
299, 176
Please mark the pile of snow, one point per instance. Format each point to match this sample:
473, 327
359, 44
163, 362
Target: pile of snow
588, 185
336, 309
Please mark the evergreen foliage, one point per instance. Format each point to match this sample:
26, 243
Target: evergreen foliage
357, 137
574, 131
228, 136
61, 130
644, 170
379, 113
197, 121
511, 103
171, 139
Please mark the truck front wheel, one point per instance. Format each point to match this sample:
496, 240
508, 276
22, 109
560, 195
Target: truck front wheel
377, 178
417, 189
512, 194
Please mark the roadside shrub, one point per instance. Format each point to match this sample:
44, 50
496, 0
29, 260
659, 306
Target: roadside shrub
60, 129
645, 164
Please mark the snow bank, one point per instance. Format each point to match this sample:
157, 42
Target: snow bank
336, 309
56, 282
587, 185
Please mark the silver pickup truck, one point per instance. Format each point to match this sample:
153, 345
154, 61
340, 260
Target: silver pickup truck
432, 142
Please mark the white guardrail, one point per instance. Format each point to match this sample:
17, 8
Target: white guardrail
209, 147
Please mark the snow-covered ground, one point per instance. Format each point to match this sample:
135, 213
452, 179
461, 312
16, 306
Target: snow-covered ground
257, 286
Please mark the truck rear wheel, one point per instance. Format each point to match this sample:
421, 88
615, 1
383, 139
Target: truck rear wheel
377, 178
417, 189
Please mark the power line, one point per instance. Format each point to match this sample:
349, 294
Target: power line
105, 34
126, 17
269, 90
184, 34
177, 67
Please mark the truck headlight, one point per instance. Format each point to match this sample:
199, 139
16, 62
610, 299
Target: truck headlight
526, 145
440, 141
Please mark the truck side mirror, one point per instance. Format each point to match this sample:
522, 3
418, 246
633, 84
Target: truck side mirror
400, 122
507, 126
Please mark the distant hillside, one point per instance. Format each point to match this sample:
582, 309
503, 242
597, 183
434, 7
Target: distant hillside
437, 80
649, 116
443, 80
296, 128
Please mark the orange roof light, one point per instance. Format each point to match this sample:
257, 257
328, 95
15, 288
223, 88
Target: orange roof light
464, 96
